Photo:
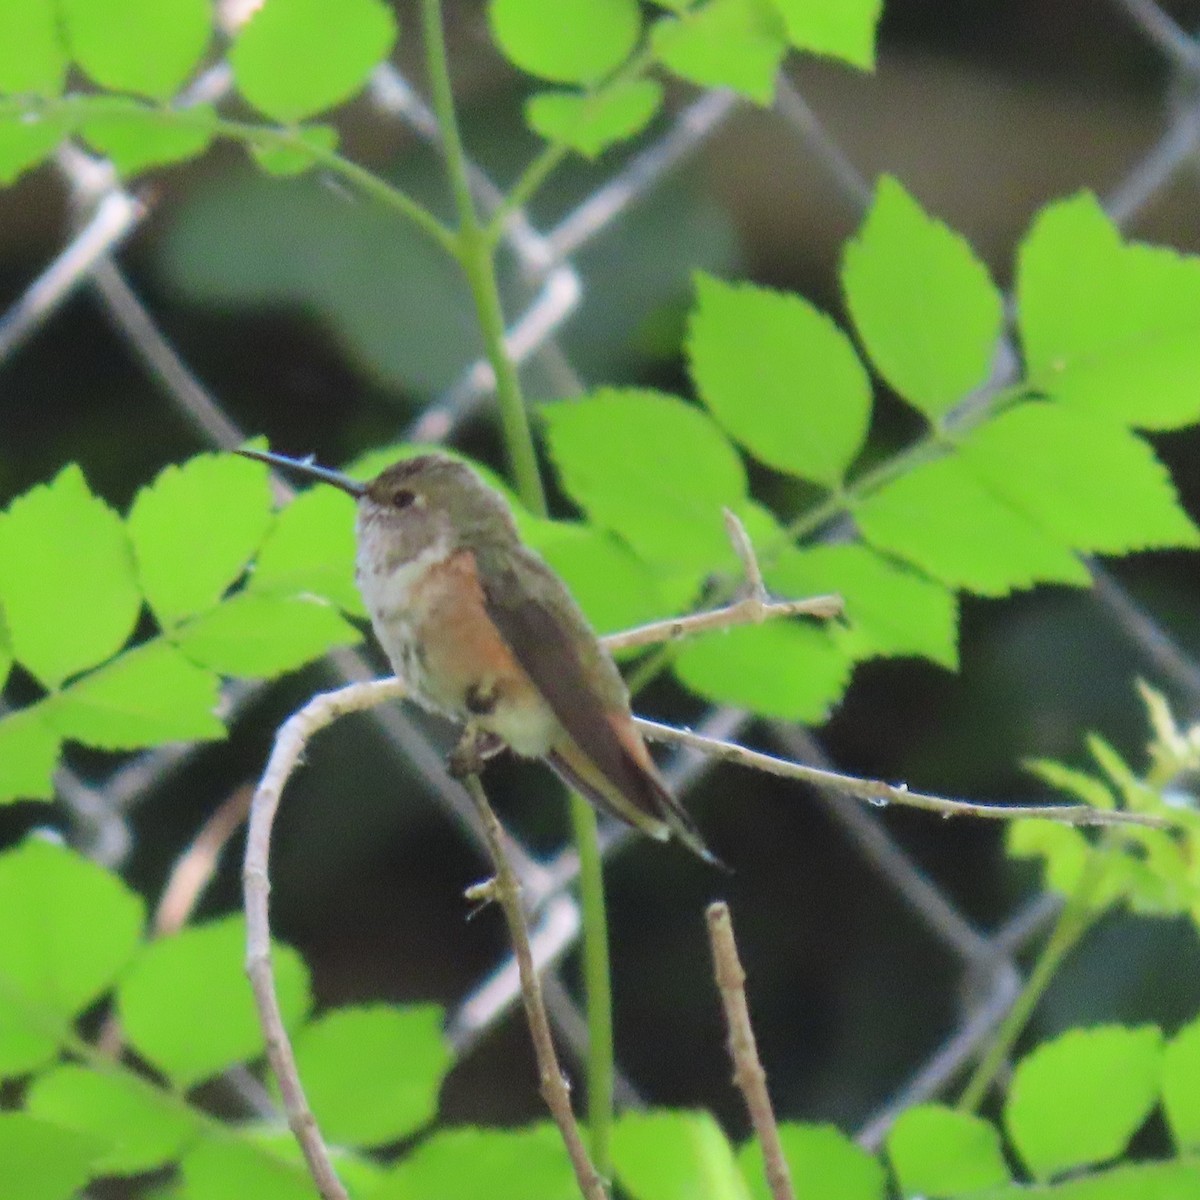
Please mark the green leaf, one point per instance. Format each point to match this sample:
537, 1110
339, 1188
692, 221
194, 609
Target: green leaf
29, 751
283, 160
1181, 1087
842, 29
138, 139
942, 519
146, 697
1063, 850
890, 611
936, 1151
1062, 1109
780, 377
651, 468
1111, 328
310, 550
39, 1161
574, 41
783, 669
225, 1168
506, 1164
296, 58
359, 1175
194, 980
1087, 483
675, 1156
66, 578
144, 1128
737, 44
32, 56
1077, 784
26, 145
6, 654
372, 1074
146, 46
194, 529
823, 1162
923, 304
69, 928
590, 124
263, 636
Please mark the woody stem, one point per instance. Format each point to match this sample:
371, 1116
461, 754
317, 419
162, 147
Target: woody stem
476, 253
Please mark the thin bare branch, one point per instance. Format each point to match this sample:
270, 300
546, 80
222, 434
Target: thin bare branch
744, 549
505, 890
748, 1073
877, 792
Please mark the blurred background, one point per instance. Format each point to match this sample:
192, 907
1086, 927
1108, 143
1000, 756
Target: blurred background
292, 309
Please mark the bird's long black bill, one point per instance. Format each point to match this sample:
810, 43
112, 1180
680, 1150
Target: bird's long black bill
307, 468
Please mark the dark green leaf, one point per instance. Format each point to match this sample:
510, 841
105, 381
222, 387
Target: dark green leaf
194, 980
842, 29
590, 124
936, 1151
146, 46
942, 519
68, 928
780, 377
675, 1156
194, 529
503, 1164
39, 1161
575, 41
823, 1162
28, 755
923, 304
651, 468
24, 145
372, 1075
137, 140
1062, 1109
277, 159
67, 582
144, 1127
1181, 1087
737, 44
146, 697
32, 56
1088, 484
784, 669
226, 1168
296, 58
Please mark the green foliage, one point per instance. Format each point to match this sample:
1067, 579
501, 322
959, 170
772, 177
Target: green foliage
675, 1156
936, 1151
590, 124
581, 41
822, 1161
32, 57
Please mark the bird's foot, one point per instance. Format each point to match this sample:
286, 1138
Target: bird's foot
474, 749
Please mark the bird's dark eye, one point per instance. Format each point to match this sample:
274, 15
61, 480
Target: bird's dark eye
403, 498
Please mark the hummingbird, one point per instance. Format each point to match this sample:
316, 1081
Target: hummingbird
485, 633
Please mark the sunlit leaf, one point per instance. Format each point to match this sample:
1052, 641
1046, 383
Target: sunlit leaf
675, 1156
28, 755
33, 58
26, 144
576, 41
843, 29
41, 1161
936, 1151
822, 1160
1181, 1087
590, 124
278, 159
221, 1169
137, 140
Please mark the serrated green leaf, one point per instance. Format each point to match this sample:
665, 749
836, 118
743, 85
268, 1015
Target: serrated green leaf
137, 139
780, 377
1181, 1087
146, 46
843, 29
276, 159
310, 550
1062, 1109
296, 58
675, 1156
1063, 850
936, 1151
195, 980
783, 669
651, 468
194, 529
1078, 784
144, 1128
577, 41
1109, 327
590, 124
737, 44
66, 578
221, 1169
923, 304
1089, 484
940, 518
262, 636
24, 145
890, 611
517, 1164
33, 58
29, 751
80, 926
40, 1161
146, 697
372, 1074
823, 1162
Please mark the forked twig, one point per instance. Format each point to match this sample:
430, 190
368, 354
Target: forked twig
748, 1073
